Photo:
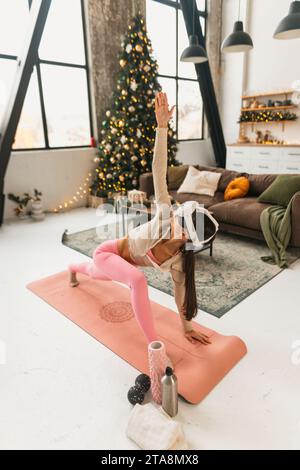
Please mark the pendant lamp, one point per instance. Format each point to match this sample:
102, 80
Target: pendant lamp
194, 53
289, 27
238, 40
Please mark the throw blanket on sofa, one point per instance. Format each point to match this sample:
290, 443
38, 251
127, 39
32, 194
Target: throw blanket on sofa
277, 229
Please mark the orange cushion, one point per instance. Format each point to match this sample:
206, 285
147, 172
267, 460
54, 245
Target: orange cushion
238, 188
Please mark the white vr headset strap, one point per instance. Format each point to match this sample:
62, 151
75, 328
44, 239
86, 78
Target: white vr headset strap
186, 211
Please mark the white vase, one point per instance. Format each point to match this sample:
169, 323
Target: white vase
37, 212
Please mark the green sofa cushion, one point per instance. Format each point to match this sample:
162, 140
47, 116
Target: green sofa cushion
281, 191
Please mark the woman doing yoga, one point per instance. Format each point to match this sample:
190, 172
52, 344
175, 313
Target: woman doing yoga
163, 243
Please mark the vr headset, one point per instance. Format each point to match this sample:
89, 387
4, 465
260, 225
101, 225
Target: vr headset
186, 211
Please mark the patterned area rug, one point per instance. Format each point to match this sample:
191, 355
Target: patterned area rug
233, 273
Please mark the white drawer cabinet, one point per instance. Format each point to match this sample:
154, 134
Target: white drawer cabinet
264, 161
237, 159
290, 161
258, 160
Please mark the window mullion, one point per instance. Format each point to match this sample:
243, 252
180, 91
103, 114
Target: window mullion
87, 67
42, 102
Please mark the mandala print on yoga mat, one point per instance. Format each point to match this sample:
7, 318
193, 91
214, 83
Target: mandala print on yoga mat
233, 273
116, 312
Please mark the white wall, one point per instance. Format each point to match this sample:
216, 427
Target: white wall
271, 65
57, 173
196, 153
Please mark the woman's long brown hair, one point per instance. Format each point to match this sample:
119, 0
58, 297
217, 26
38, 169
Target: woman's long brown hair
190, 299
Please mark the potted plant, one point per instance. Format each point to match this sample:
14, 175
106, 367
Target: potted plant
21, 202
37, 212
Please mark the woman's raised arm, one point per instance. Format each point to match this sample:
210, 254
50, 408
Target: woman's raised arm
160, 155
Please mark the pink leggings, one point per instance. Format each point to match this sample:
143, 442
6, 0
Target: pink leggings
108, 265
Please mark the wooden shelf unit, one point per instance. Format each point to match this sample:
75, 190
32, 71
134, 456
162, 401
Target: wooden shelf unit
270, 108
274, 93
284, 93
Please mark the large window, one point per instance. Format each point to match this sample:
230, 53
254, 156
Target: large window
167, 31
56, 111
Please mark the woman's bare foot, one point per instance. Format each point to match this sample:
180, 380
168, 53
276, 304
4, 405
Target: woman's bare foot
73, 280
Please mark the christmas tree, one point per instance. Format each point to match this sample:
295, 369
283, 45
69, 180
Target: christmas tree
128, 132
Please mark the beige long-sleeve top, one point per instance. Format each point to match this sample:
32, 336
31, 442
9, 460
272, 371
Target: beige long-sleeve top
143, 238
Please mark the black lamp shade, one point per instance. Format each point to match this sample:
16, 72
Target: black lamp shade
238, 41
289, 27
194, 53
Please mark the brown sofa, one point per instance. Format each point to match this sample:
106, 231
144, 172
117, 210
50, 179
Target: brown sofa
240, 216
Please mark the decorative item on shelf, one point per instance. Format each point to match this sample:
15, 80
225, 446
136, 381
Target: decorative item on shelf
246, 104
135, 196
259, 137
268, 138
37, 212
255, 104
22, 202
243, 139
267, 116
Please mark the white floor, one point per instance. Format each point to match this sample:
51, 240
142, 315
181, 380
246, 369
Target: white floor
61, 389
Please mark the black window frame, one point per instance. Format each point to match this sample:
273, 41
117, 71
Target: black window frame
40, 62
176, 4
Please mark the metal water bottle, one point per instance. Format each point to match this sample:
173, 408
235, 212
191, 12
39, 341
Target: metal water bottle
169, 393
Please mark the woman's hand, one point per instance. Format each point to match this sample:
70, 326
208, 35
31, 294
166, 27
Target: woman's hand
162, 111
194, 337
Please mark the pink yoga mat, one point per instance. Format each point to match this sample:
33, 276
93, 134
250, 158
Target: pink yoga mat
103, 309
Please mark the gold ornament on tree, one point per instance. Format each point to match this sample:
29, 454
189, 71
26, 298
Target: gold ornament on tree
123, 63
138, 48
143, 163
121, 178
